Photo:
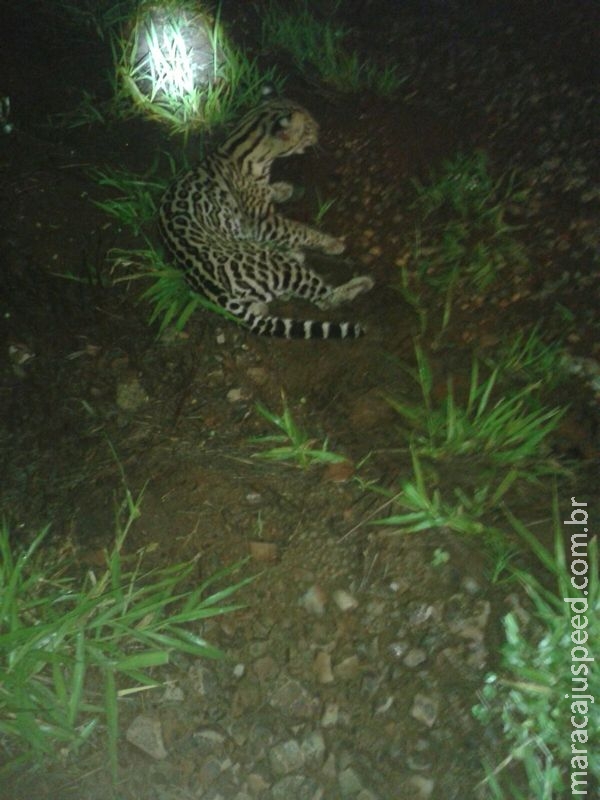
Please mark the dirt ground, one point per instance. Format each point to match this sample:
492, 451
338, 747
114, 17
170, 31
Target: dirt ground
409, 640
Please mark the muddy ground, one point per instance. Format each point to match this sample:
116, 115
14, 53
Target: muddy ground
409, 639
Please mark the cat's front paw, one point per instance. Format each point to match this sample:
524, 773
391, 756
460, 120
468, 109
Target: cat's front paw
281, 191
333, 246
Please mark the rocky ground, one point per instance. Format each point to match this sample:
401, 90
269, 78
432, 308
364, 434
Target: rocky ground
352, 670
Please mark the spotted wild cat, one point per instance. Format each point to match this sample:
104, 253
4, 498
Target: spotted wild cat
220, 226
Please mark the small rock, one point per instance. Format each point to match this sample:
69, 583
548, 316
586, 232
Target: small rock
344, 600
257, 785
314, 600
347, 669
265, 668
421, 786
145, 733
349, 782
414, 657
425, 709
338, 471
236, 395
292, 699
258, 375
239, 671
313, 747
322, 667
330, 716
173, 694
210, 769
297, 787
208, 741
286, 757
131, 395
263, 551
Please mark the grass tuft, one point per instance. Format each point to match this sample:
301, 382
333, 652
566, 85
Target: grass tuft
317, 46
293, 444
71, 647
528, 697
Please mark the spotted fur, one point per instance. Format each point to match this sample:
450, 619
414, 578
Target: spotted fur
221, 227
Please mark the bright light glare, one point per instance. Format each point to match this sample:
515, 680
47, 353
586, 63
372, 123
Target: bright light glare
171, 59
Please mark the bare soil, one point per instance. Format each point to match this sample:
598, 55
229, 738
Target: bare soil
409, 653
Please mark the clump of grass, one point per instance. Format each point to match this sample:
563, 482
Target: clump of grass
508, 429
529, 695
498, 432
463, 239
468, 237
419, 508
177, 66
135, 207
71, 647
529, 359
136, 203
317, 46
292, 444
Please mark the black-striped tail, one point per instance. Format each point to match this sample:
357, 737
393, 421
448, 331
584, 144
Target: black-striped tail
283, 328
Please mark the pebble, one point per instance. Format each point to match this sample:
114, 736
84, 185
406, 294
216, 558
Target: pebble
414, 657
314, 600
421, 787
286, 757
348, 669
293, 700
330, 715
322, 667
145, 733
344, 600
349, 782
267, 552
313, 748
425, 709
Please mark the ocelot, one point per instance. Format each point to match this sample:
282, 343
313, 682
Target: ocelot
220, 226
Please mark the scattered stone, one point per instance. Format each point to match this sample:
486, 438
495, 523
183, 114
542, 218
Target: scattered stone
173, 694
322, 667
348, 669
421, 786
263, 551
257, 785
286, 757
414, 657
344, 600
210, 769
239, 671
314, 600
265, 668
292, 699
145, 733
385, 706
425, 709
208, 741
349, 782
398, 649
297, 787
258, 375
338, 472
330, 716
237, 395
131, 394
366, 794
313, 747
